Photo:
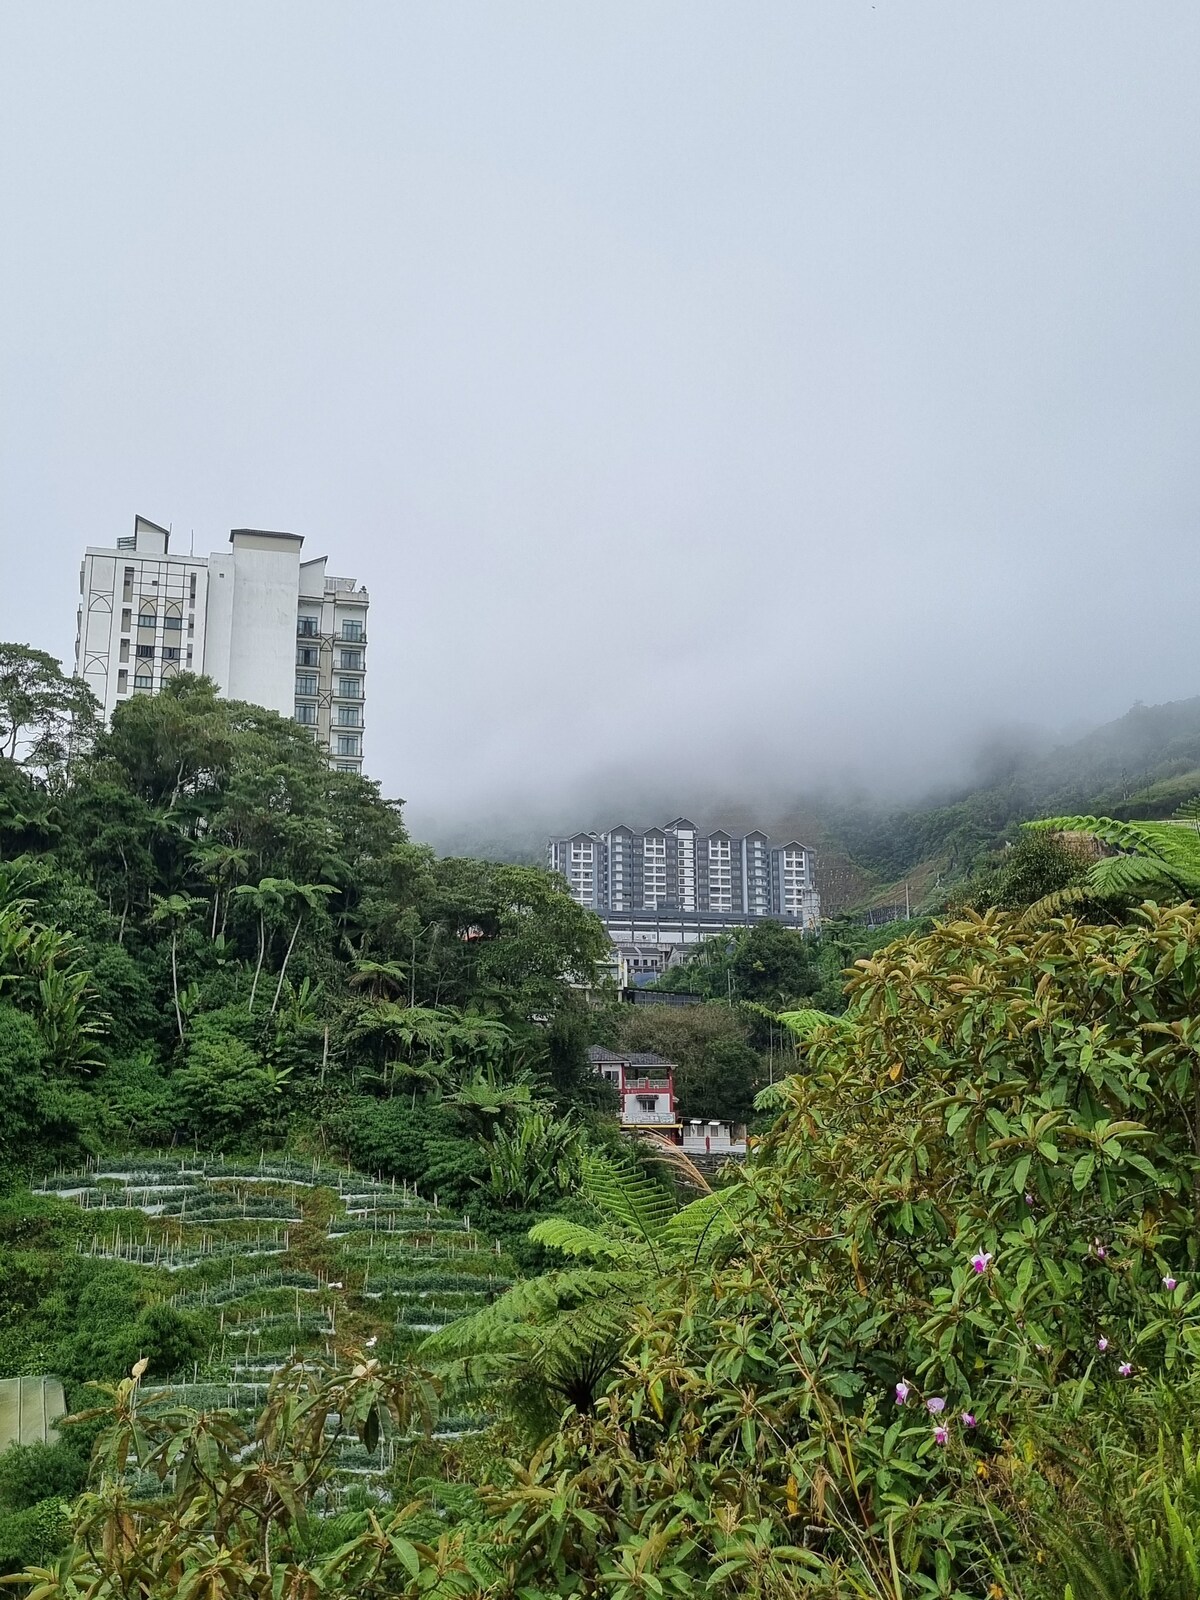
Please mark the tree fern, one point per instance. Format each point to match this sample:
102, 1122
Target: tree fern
804, 1023
562, 1332
697, 1231
627, 1197
1154, 861
573, 1239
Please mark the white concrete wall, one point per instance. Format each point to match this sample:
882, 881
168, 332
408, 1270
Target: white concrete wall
253, 653
218, 621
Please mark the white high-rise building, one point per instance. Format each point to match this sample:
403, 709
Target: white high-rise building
268, 627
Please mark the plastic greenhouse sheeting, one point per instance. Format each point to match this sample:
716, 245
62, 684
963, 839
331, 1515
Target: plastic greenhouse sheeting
29, 1408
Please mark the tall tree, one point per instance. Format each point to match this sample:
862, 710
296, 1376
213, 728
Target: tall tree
173, 912
306, 897
44, 715
222, 865
266, 899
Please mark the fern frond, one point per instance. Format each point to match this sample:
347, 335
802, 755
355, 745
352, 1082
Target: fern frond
627, 1196
1123, 877
1053, 905
1178, 847
497, 1328
573, 1239
805, 1022
698, 1230
1189, 811
581, 1345
773, 1097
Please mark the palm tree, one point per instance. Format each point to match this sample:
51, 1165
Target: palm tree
564, 1331
173, 911
1157, 861
306, 897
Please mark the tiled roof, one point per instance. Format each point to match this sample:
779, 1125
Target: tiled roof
598, 1055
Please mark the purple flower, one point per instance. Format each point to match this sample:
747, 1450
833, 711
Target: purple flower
1125, 1368
940, 1435
1102, 1344
902, 1391
968, 1419
1168, 1282
1098, 1250
935, 1406
981, 1260
1028, 1198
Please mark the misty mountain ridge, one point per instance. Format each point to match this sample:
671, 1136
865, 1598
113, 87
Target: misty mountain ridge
1143, 763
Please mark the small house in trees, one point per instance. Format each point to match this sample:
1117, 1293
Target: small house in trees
645, 1086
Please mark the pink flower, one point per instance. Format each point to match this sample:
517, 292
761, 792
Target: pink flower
940, 1435
935, 1406
1102, 1344
1125, 1368
1028, 1198
968, 1419
902, 1391
981, 1261
1098, 1250
1168, 1282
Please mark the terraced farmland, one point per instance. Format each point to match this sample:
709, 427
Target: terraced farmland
288, 1260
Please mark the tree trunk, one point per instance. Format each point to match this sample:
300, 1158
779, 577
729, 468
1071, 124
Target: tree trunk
262, 945
216, 908
286, 957
175, 982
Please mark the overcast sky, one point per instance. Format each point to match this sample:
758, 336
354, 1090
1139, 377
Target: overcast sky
705, 392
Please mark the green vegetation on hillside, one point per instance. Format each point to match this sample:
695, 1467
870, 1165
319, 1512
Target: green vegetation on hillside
940, 1342
304, 1166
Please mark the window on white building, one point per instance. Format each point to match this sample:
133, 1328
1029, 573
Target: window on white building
347, 744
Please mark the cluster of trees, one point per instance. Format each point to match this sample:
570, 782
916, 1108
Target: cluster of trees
200, 923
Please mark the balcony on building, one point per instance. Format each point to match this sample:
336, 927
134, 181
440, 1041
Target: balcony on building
635, 1114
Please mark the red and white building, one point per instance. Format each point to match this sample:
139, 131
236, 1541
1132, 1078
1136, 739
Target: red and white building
645, 1085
